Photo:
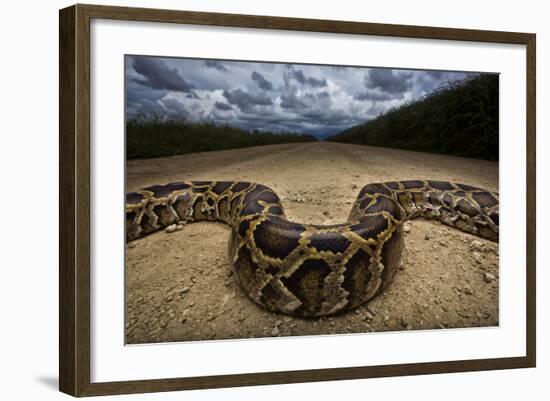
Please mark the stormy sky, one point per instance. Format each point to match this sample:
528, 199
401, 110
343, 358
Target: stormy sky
312, 99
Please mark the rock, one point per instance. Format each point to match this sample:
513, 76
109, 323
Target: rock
185, 290
297, 198
427, 237
407, 228
489, 277
278, 323
326, 213
386, 318
476, 245
171, 229
179, 227
131, 245
168, 298
275, 331
368, 315
467, 290
477, 257
353, 186
404, 323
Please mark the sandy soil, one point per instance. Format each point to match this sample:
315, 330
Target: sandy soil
180, 286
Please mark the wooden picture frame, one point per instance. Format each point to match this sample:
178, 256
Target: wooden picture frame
74, 205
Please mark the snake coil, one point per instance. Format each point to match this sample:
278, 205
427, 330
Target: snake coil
313, 270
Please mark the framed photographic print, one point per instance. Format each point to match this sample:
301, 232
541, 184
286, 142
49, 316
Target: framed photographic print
277, 200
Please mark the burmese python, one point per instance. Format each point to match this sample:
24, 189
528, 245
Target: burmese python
313, 270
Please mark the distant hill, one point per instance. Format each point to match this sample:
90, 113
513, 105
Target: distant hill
459, 119
147, 138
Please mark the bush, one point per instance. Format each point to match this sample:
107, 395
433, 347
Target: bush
153, 137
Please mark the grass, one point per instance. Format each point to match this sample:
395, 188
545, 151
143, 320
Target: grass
148, 138
459, 119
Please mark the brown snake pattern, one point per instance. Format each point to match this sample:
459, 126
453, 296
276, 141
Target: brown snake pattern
312, 270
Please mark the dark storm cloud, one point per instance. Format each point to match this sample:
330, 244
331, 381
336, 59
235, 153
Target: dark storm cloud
215, 64
435, 74
375, 96
222, 106
314, 99
245, 101
175, 109
157, 75
137, 93
389, 81
299, 76
261, 81
323, 119
317, 123
323, 94
290, 101
142, 100
145, 108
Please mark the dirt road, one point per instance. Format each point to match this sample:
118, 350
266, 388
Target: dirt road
180, 287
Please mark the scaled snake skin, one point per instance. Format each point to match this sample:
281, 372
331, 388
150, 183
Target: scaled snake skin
313, 270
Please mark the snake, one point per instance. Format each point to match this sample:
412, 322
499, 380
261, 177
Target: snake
308, 270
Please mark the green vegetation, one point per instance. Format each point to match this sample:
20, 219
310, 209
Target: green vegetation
459, 119
146, 138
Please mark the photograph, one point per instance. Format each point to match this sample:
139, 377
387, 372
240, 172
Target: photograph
273, 199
